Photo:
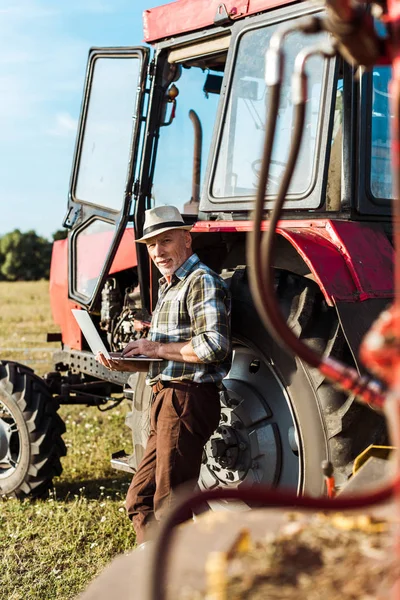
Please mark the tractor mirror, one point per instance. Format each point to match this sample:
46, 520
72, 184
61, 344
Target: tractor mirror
212, 84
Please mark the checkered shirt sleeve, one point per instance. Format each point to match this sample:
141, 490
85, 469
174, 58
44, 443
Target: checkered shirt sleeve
208, 306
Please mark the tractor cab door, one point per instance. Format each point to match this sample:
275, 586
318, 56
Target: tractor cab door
104, 167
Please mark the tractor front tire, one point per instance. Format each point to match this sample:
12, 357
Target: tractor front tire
30, 433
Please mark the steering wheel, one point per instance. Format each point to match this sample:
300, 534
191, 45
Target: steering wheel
273, 179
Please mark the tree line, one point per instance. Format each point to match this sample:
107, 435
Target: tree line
26, 256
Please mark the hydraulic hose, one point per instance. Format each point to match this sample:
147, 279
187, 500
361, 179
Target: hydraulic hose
253, 251
273, 76
260, 253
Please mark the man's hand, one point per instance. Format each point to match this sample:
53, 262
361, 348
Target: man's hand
177, 351
142, 346
118, 365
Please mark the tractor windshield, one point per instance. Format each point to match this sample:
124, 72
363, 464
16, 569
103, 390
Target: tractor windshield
238, 165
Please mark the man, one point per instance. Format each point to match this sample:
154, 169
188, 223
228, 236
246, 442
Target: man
190, 332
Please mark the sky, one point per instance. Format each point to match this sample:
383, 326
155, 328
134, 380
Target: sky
44, 46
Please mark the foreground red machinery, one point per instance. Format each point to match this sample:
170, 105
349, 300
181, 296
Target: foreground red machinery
184, 123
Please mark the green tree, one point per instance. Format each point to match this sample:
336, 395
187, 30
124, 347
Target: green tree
2, 278
24, 256
60, 234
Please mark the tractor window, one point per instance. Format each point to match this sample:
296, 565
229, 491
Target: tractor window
381, 169
107, 136
175, 174
98, 235
239, 160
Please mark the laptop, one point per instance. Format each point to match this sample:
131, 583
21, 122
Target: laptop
96, 343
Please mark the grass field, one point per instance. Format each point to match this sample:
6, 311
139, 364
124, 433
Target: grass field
51, 549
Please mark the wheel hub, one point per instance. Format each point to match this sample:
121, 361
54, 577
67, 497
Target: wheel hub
226, 447
4, 439
256, 439
233, 448
9, 442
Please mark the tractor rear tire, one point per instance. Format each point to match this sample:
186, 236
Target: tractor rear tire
280, 417
30, 433
298, 419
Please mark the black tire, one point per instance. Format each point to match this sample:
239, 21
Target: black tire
30, 433
281, 417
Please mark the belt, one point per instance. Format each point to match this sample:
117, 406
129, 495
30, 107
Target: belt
160, 385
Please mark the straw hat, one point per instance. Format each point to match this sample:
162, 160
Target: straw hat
160, 219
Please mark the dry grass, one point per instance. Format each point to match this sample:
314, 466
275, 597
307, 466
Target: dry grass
52, 548
25, 319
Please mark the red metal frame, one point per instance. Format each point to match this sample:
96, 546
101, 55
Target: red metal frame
183, 16
61, 305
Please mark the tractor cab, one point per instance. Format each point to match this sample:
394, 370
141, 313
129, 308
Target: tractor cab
183, 123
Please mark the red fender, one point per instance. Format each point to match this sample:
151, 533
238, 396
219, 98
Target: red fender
351, 262
60, 304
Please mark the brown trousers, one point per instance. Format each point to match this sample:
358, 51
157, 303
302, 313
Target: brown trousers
182, 418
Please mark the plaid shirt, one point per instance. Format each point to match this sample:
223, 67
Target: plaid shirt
194, 307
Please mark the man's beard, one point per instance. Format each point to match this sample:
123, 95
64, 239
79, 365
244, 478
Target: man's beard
170, 270
166, 271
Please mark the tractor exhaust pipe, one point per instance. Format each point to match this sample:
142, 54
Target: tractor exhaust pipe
192, 206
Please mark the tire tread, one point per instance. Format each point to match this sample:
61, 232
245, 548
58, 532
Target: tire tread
45, 427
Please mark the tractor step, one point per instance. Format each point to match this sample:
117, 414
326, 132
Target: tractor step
120, 461
373, 472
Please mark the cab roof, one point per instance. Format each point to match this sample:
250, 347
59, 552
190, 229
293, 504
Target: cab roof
184, 16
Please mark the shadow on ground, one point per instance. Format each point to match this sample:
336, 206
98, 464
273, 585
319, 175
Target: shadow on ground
93, 489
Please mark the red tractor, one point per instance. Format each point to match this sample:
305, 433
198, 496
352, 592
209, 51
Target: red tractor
182, 122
